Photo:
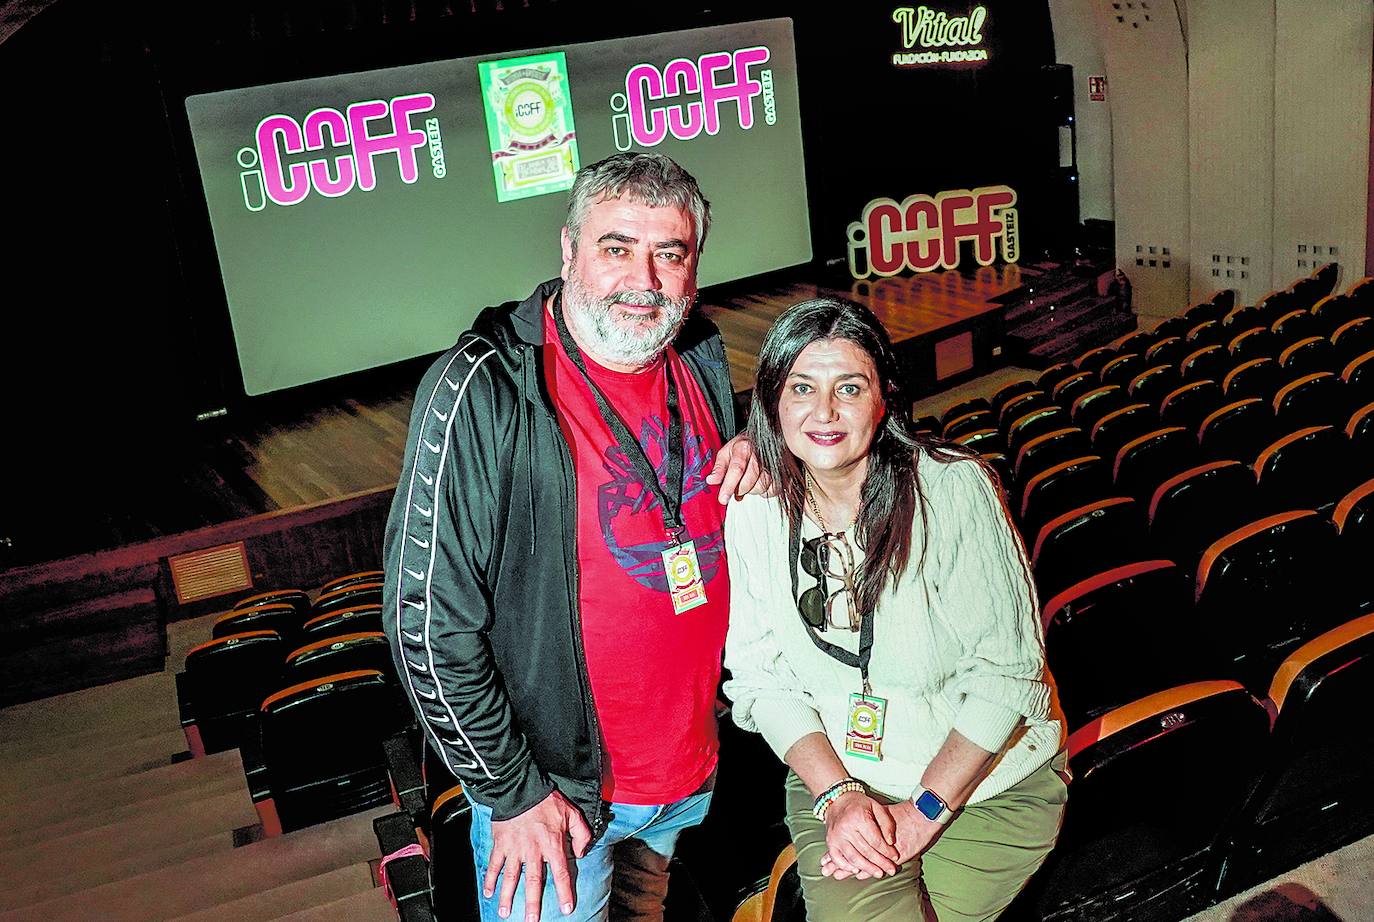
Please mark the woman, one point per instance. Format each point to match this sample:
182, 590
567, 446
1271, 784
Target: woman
884, 639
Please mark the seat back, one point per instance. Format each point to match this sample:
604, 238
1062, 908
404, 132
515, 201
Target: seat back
1237, 431
1258, 377
350, 580
1153, 384
1094, 359
343, 653
1143, 463
1206, 333
1358, 376
1266, 587
1120, 634
1189, 405
1073, 387
1197, 506
1353, 339
453, 871
1312, 399
1087, 540
956, 410
351, 596
1316, 793
1295, 325
1254, 343
1354, 518
1307, 355
322, 745
1306, 469
1120, 849
226, 680
1097, 403
982, 440
1122, 369
1021, 404
279, 617
1058, 489
1034, 423
293, 597
1118, 427
1211, 361
1004, 394
970, 421
343, 621
1051, 448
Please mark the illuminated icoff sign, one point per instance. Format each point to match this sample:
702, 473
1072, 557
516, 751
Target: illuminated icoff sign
924, 232
352, 135
944, 39
645, 117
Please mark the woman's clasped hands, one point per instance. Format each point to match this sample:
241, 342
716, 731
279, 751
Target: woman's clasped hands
865, 838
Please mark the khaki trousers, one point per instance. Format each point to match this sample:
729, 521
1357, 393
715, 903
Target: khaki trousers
977, 865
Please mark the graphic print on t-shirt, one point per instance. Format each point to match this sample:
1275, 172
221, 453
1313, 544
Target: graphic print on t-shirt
626, 493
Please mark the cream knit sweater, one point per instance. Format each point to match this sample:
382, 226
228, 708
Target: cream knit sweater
957, 643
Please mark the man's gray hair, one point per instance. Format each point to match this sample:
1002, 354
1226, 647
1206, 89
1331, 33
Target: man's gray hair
649, 179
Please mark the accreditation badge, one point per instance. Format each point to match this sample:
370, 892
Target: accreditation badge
685, 584
863, 737
529, 125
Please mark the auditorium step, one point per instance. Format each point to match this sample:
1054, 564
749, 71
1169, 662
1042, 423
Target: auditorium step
1058, 316
209, 880
296, 896
367, 906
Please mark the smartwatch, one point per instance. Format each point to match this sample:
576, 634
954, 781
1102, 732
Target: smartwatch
931, 805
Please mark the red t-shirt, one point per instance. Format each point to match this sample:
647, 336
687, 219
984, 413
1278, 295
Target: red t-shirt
653, 673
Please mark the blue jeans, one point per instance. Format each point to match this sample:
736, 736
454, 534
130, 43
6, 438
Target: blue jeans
624, 875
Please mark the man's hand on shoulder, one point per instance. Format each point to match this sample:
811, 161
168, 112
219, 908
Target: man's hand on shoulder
738, 472
545, 833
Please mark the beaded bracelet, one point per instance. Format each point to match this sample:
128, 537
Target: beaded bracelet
832, 793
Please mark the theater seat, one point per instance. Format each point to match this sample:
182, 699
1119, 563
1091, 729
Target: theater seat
224, 682
1306, 469
1097, 403
1152, 385
1034, 423
1311, 400
1353, 339
1118, 427
1145, 462
279, 617
351, 596
1199, 505
1295, 325
1334, 311
353, 620
1206, 333
1021, 404
1237, 431
1354, 518
1087, 540
963, 407
1317, 790
454, 874
1245, 317
1189, 405
982, 440
1053, 375
1258, 377
1267, 587
1208, 362
1137, 342
1058, 489
293, 597
778, 898
1120, 634
1004, 394
342, 653
1308, 355
1073, 387
1094, 359
1254, 343
1358, 377
1045, 451
970, 421
351, 580
1154, 783
1167, 351
319, 754
1122, 369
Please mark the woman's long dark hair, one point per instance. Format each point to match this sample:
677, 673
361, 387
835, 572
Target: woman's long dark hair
891, 494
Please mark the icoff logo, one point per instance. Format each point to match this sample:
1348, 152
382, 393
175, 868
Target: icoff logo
924, 232
645, 117
356, 136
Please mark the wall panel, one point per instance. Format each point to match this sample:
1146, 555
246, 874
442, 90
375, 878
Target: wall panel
1076, 43
1231, 147
1321, 136
1148, 79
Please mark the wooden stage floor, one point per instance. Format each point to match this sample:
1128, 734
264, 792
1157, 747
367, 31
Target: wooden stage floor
322, 444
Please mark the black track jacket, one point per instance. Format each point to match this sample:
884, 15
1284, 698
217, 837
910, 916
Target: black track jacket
481, 587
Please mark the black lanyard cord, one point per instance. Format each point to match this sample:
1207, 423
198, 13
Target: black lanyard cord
670, 503
865, 656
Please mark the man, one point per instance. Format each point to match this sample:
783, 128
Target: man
556, 593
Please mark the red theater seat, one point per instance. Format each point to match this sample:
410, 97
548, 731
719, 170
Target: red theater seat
1154, 384
1353, 339
1097, 403
1258, 377
278, 617
1254, 343
1058, 489
1118, 427
1045, 451
1354, 517
1306, 469
1208, 362
1073, 387
1311, 400
970, 421
223, 684
1295, 325
1122, 369
1035, 423
1237, 430
1190, 404
1143, 463
1308, 355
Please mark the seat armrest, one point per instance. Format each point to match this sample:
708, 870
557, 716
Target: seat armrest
407, 781
186, 709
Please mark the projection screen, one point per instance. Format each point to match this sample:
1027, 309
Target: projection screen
366, 218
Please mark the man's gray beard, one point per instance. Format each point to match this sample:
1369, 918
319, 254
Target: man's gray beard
617, 337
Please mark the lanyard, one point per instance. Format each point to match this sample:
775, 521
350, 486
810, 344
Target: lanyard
669, 504
859, 662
